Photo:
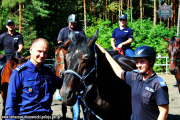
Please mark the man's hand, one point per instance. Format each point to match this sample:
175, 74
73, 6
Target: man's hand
120, 46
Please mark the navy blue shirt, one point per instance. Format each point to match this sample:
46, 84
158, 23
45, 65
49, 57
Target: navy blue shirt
122, 35
146, 95
30, 91
64, 33
11, 43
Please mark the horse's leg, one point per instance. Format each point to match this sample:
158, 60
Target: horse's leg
64, 111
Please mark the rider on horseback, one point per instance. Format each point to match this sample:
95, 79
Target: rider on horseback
123, 36
12, 42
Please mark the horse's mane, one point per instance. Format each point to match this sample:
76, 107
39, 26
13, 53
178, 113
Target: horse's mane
173, 39
81, 44
60, 45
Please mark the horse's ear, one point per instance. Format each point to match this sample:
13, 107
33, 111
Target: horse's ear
72, 37
93, 39
166, 39
66, 43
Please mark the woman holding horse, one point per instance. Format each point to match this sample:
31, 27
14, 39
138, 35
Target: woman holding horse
150, 100
123, 36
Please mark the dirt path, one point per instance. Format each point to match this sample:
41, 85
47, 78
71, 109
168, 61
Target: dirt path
174, 98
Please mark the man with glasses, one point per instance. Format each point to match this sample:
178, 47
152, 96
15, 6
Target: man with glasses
123, 36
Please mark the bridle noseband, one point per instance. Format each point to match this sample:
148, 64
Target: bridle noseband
82, 78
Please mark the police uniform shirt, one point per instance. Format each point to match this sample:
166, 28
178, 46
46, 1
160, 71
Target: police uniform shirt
122, 36
11, 42
30, 91
64, 33
146, 95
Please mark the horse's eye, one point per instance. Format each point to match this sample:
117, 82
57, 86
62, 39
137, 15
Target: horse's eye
56, 55
85, 60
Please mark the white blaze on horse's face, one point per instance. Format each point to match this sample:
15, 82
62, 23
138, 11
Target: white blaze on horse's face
76, 52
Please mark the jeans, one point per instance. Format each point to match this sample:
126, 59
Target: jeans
128, 52
76, 109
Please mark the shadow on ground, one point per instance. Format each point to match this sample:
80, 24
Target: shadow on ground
173, 117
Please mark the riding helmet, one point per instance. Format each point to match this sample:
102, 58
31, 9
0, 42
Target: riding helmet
72, 18
145, 51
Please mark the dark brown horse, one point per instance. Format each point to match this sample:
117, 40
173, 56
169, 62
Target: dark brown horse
8, 68
60, 52
173, 50
88, 69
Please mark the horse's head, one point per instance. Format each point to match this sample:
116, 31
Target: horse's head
81, 62
173, 50
60, 52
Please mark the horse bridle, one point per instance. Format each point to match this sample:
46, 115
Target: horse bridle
82, 78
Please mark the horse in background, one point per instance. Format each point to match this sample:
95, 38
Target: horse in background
88, 69
10, 65
173, 50
60, 52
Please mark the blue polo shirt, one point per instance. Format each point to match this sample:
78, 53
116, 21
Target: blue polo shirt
30, 91
11, 43
64, 33
146, 95
122, 35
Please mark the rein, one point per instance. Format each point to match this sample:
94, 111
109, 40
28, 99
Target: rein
82, 80
60, 63
174, 60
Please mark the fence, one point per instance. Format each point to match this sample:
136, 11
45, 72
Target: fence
167, 65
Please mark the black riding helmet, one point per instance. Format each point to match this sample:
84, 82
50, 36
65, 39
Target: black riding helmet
72, 18
145, 52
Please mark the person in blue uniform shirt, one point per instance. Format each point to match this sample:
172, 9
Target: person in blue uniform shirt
11, 40
149, 92
31, 85
72, 27
122, 37
63, 37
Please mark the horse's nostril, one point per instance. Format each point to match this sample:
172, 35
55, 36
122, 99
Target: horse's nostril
69, 95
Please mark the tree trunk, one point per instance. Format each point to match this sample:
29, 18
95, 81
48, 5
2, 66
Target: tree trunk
135, 8
119, 7
19, 16
90, 8
172, 14
141, 10
155, 16
99, 8
159, 5
131, 10
106, 11
94, 5
85, 16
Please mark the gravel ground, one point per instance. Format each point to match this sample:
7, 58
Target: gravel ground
174, 106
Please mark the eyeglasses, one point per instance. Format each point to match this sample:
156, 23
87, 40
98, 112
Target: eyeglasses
123, 20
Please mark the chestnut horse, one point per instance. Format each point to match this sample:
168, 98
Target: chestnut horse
8, 68
173, 50
60, 67
88, 69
